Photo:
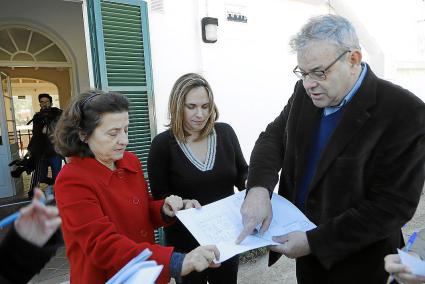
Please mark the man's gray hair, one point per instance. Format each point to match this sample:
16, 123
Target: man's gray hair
332, 28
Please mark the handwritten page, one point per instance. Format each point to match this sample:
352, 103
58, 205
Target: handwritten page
416, 265
220, 223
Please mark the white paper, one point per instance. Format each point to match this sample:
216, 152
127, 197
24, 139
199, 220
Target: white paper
416, 265
138, 270
220, 223
145, 275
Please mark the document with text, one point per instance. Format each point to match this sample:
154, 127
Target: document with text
220, 223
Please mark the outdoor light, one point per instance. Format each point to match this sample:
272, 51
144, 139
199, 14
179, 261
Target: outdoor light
209, 29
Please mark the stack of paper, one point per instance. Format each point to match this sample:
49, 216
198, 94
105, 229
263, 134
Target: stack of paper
416, 265
138, 270
220, 223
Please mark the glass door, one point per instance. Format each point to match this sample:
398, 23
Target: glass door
9, 147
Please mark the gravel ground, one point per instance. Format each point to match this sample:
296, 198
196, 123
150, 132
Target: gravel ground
283, 271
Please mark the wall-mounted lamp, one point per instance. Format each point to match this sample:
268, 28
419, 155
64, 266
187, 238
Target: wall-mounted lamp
209, 29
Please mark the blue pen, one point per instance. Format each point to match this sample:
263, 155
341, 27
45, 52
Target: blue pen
11, 218
409, 244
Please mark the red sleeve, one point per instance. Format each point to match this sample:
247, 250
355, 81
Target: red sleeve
155, 212
85, 224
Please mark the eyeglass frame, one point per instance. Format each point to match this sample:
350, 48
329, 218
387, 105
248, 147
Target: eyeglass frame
303, 75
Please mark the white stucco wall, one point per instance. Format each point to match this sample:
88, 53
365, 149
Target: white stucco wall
398, 29
62, 21
175, 49
249, 67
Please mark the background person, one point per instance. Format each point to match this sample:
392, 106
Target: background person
30, 243
108, 215
199, 159
351, 151
41, 146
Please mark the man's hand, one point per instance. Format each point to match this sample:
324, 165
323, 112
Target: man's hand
256, 209
293, 245
401, 272
37, 222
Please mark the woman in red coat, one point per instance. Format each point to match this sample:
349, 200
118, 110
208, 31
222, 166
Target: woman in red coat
101, 194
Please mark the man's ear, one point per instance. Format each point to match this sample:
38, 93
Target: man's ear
355, 57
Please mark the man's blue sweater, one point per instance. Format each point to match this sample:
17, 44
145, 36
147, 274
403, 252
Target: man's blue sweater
326, 128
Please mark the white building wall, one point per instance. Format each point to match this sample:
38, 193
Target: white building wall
398, 29
61, 19
411, 76
249, 67
175, 49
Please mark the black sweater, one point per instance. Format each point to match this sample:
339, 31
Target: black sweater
171, 172
41, 144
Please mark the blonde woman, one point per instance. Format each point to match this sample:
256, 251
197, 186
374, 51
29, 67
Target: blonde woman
196, 158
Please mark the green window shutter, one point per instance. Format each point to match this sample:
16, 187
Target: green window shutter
125, 64
139, 129
93, 43
122, 53
119, 36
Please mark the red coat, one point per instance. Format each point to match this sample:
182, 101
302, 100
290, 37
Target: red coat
108, 218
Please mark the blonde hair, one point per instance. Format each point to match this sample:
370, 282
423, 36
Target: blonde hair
176, 105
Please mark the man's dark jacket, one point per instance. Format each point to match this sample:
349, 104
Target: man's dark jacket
367, 183
41, 143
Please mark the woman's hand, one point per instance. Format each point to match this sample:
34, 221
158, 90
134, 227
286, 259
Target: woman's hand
172, 204
401, 272
200, 259
191, 203
37, 222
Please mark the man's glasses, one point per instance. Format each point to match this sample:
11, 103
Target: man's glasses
317, 75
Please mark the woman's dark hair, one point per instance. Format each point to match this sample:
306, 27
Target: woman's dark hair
81, 117
44, 95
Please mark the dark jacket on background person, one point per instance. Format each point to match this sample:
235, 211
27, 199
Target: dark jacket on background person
367, 183
21, 260
41, 143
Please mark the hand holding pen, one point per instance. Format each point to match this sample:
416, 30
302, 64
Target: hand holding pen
399, 271
35, 223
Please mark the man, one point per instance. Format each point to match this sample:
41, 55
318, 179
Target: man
351, 150
41, 146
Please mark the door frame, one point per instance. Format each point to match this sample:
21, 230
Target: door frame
7, 183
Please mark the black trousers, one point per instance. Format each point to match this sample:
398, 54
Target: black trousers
227, 273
